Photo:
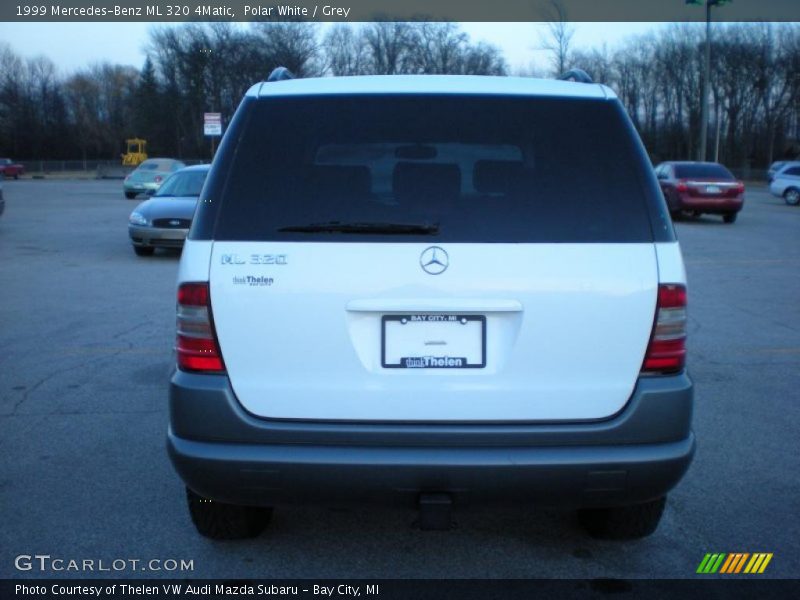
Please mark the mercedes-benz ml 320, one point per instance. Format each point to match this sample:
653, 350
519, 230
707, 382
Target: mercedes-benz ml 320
433, 290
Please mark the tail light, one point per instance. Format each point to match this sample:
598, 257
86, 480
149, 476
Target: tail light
682, 187
196, 343
158, 178
666, 352
740, 187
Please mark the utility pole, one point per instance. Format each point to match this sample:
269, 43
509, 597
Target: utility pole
701, 151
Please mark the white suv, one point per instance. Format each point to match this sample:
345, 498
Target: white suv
431, 289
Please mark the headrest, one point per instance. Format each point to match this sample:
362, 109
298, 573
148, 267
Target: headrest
496, 176
411, 179
338, 180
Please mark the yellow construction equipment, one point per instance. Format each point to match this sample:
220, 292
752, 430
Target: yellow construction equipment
136, 153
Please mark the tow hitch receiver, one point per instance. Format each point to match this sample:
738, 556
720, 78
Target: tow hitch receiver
434, 511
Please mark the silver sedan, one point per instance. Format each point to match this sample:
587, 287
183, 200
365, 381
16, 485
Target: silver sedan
149, 176
163, 221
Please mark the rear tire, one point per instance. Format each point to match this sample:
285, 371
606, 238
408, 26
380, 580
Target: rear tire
792, 196
220, 521
623, 523
730, 217
144, 250
130, 195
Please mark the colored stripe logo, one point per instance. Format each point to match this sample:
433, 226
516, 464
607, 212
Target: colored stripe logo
734, 563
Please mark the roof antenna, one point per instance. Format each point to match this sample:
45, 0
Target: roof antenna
280, 74
578, 75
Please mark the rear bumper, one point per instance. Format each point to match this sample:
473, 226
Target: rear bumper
712, 205
154, 236
140, 187
227, 455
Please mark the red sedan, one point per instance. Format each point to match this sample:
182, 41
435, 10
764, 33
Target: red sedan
11, 169
700, 187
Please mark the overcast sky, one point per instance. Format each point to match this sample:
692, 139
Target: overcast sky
72, 46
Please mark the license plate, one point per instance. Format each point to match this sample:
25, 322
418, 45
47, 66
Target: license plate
713, 189
430, 341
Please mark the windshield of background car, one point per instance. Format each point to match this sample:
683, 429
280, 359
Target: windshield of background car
188, 183
163, 166
478, 168
702, 172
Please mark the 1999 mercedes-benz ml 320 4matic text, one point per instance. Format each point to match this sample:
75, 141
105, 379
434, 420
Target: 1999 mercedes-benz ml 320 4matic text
431, 289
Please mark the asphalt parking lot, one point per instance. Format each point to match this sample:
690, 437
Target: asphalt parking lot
86, 334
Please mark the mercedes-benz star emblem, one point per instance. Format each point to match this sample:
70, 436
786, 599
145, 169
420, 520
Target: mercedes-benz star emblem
434, 260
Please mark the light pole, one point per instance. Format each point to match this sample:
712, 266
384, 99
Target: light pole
701, 151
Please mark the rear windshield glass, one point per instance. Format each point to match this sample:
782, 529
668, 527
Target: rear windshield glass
463, 168
163, 166
188, 183
704, 171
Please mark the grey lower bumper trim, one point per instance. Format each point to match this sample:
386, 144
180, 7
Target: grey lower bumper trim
555, 476
229, 455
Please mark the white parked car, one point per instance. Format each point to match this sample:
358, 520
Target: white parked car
406, 288
786, 184
777, 166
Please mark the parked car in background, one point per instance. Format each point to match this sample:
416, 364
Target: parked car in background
163, 221
11, 169
699, 188
779, 165
149, 176
786, 183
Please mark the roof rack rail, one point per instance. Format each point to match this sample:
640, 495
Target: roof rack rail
578, 75
280, 74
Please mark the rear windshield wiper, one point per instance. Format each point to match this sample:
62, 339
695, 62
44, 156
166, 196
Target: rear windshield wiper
384, 228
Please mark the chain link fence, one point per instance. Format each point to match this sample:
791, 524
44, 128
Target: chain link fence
112, 169
100, 169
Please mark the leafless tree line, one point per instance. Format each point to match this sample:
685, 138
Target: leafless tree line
196, 68
755, 90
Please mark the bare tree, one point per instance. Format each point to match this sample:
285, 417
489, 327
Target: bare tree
293, 45
483, 59
777, 82
346, 50
389, 46
558, 39
438, 48
194, 67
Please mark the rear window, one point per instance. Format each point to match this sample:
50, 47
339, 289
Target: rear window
163, 166
478, 169
702, 171
188, 183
